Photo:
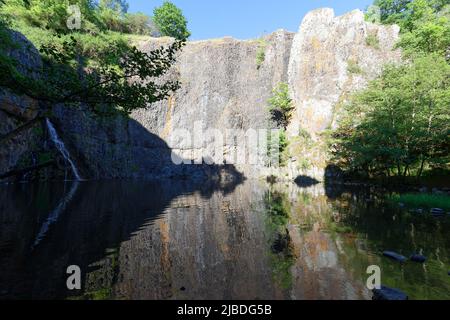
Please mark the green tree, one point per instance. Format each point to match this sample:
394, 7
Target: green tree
281, 105
392, 11
400, 123
139, 23
425, 31
170, 21
106, 89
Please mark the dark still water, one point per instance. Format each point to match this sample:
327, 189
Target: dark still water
173, 240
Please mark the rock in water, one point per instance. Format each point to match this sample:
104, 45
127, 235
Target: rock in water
418, 258
386, 293
437, 212
395, 256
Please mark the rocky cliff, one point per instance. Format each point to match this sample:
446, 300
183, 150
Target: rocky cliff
226, 87
332, 57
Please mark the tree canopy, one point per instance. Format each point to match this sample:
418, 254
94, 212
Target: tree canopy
400, 124
120, 78
281, 105
170, 21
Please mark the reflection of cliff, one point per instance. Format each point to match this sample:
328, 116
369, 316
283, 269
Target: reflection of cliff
226, 247
200, 249
100, 216
320, 270
167, 240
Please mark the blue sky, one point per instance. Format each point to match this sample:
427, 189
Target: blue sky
245, 19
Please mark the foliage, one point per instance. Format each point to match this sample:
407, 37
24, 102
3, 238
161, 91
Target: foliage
140, 23
277, 148
261, 53
170, 21
106, 88
399, 124
278, 208
373, 14
353, 67
281, 105
422, 200
401, 121
102, 72
281, 255
97, 16
392, 11
373, 41
425, 24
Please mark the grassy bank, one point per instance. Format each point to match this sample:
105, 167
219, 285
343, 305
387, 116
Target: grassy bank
425, 200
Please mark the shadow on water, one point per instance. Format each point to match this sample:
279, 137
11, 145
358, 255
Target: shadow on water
41, 236
48, 226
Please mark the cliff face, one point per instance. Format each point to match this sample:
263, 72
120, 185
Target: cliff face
332, 57
225, 87
14, 109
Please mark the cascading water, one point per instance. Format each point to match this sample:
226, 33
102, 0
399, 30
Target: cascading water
62, 148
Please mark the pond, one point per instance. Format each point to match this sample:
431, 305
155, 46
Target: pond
178, 240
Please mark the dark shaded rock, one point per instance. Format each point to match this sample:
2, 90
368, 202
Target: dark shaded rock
386, 293
182, 289
395, 256
418, 258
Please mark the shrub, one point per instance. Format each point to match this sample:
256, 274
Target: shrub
281, 105
373, 41
353, 67
261, 53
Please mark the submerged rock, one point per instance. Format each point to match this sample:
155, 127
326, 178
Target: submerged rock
418, 258
395, 256
386, 293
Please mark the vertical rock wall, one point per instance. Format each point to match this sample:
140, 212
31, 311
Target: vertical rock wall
225, 87
330, 58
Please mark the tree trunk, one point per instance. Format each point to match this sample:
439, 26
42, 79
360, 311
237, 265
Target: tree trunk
421, 168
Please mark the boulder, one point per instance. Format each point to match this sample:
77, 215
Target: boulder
437, 212
394, 256
418, 258
386, 293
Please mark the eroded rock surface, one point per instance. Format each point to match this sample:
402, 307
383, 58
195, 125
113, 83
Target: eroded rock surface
224, 87
330, 58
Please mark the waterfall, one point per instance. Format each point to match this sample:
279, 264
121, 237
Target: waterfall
62, 148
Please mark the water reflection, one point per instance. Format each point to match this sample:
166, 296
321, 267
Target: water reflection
172, 240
